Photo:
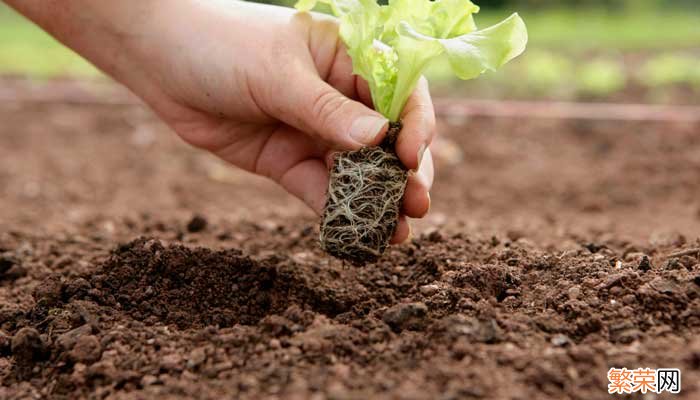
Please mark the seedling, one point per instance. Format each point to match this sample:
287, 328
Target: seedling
390, 47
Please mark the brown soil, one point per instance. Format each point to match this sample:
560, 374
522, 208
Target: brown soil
132, 267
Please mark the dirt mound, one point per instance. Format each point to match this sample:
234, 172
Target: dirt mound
442, 300
198, 287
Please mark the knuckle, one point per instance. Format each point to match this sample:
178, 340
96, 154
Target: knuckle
201, 138
325, 105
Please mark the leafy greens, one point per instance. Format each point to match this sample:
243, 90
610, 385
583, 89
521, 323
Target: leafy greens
391, 45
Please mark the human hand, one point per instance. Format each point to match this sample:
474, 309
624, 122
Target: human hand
265, 88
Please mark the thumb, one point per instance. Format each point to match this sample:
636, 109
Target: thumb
322, 111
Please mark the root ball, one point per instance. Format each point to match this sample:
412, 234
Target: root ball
364, 200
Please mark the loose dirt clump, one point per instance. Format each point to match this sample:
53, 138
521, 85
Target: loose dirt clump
199, 287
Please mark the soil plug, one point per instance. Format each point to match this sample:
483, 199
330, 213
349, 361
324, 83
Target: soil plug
390, 47
364, 199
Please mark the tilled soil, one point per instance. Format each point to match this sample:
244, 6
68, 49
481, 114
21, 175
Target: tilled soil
132, 266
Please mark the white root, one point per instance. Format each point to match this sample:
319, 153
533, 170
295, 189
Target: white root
364, 200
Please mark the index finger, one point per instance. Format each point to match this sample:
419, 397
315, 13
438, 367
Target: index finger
418, 120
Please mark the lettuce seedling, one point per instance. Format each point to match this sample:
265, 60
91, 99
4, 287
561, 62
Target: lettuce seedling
390, 47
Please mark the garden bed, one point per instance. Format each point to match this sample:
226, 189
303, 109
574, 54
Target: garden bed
133, 266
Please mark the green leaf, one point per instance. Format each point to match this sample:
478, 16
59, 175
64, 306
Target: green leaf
391, 45
486, 50
305, 5
413, 58
339, 7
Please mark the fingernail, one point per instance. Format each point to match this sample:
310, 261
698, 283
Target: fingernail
365, 129
421, 152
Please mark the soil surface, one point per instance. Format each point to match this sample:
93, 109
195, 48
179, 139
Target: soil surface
133, 267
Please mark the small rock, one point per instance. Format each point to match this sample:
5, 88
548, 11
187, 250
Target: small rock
27, 346
67, 340
673, 264
405, 316
560, 340
196, 357
594, 247
429, 290
275, 344
435, 236
87, 350
574, 292
196, 224
488, 331
629, 299
644, 264
171, 362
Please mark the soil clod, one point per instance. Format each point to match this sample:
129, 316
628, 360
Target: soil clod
406, 316
87, 350
27, 348
6, 262
11, 269
66, 341
644, 264
197, 224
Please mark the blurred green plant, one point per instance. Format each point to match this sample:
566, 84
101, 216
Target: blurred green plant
27, 50
601, 77
670, 69
575, 30
574, 51
545, 71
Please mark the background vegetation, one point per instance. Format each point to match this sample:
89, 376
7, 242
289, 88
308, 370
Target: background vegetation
642, 50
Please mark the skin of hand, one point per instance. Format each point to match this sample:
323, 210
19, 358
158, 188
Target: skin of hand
265, 88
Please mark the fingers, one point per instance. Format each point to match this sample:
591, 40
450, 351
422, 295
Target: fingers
416, 200
403, 231
315, 107
308, 181
285, 155
362, 90
418, 126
